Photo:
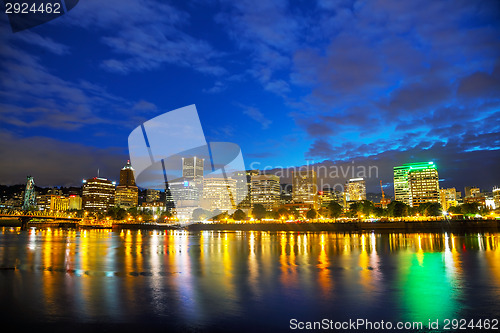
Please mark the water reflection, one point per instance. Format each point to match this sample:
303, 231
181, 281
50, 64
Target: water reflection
194, 280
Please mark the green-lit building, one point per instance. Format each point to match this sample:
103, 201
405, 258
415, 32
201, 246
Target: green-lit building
416, 183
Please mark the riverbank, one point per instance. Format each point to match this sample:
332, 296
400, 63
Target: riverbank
419, 226
401, 226
143, 226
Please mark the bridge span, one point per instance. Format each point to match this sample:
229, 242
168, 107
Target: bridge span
43, 218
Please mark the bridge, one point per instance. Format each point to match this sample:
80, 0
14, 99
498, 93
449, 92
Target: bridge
26, 216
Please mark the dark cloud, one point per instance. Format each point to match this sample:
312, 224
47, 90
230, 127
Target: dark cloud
55, 163
418, 96
480, 85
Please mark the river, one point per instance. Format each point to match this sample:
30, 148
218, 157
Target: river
166, 281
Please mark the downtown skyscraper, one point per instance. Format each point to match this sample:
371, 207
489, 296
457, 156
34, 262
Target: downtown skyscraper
416, 183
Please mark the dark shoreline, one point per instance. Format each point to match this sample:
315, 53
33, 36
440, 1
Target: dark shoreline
403, 226
420, 226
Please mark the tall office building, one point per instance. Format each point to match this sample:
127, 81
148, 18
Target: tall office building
416, 183
448, 197
98, 194
127, 192
424, 185
219, 193
266, 191
286, 196
356, 189
401, 185
305, 188
192, 167
326, 196
244, 188
185, 192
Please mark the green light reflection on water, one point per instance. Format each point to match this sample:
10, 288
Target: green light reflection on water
428, 286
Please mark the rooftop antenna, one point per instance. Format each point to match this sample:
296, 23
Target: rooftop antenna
97, 172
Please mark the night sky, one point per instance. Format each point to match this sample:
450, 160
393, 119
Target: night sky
335, 82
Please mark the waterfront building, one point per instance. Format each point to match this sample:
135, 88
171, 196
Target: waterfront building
401, 185
152, 195
448, 198
424, 184
326, 196
356, 189
59, 203
266, 191
286, 194
219, 193
156, 207
192, 167
75, 202
43, 201
416, 183
301, 208
98, 194
244, 188
127, 192
496, 197
475, 192
472, 191
186, 192
480, 200
53, 202
305, 188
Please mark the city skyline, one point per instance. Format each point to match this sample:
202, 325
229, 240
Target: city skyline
379, 83
288, 179
249, 165
413, 184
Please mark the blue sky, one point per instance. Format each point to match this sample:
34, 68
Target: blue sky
371, 82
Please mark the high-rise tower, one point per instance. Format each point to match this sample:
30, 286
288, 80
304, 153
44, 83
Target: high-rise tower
416, 183
127, 193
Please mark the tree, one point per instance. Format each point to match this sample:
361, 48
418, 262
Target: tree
433, 209
199, 214
311, 214
272, 215
134, 212
379, 212
239, 215
217, 215
259, 211
334, 209
355, 209
283, 212
117, 213
397, 209
79, 213
367, 207
455, 210
294, 212
165, 214
471, 208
